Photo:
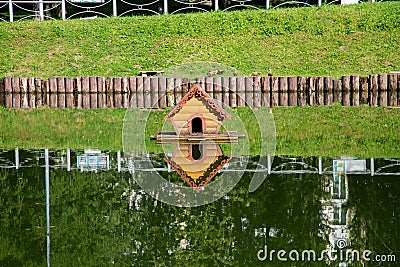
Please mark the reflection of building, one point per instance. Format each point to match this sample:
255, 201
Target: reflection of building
93, 160
335, 214
197, 163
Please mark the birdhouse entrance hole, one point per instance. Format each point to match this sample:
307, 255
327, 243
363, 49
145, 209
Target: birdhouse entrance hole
197, 125
197, 151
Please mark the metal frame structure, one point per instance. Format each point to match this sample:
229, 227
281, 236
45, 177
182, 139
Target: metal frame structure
68, 9
123, 162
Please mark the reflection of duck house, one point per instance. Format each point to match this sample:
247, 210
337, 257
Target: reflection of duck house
197, 163
197, 117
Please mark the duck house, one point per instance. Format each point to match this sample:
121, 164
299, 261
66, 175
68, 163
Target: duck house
197, 117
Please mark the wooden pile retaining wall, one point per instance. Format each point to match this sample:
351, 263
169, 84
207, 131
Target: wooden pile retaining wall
162, 92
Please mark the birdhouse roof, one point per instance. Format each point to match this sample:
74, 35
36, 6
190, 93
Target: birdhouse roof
211, 105
208, 174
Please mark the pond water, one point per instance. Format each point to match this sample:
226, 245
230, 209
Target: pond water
100, 216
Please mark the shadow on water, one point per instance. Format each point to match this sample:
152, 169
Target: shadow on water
100, 216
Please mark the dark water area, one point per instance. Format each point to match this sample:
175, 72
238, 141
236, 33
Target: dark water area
99, 215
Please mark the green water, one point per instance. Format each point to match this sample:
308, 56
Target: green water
105, 219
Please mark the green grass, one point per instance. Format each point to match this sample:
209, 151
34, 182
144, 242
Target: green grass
301, 131
329, 40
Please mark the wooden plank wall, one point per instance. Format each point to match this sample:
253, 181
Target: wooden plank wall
161, 92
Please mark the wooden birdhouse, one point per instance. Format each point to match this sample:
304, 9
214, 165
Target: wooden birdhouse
197, 163
197, 114
197, 117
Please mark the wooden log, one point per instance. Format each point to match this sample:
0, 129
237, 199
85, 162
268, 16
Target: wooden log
191, 83
140, 92
232, 92
201, 82
240, 92
398, 89
2, 93
292, 91
31, 93
53, 103
274, 91
45, 93
265, 91
256, 92
86, 92
373, 90
147, 94
382, 90
301, 91
283, 91
337, 91
16, 92
346, 90
78, 93
125, 92
248, 91
132, 92
364, 99
154, 92
8, 92
101, 88
355, 90
328, 91
225, 90
39, 94
23, 83
185, 87
319, 91
170, 92
218, 89
110, 92
118, 92
69, 92
209, 86
392, 90
93, 92
61, 92
162, 92
177, 90
311, 91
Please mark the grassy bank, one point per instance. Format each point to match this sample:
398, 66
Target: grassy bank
329, 40
325, 131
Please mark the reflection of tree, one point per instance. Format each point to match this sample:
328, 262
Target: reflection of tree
376, 201
291, 211
22, 218
104, 219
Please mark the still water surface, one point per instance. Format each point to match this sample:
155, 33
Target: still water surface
99, 216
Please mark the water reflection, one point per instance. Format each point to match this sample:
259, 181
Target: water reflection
197, 163
99, 216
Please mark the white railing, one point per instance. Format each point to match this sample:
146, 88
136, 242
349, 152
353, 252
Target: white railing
119, 161
15, 10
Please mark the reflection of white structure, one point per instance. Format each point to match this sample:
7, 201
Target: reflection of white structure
93, 160
335, 215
